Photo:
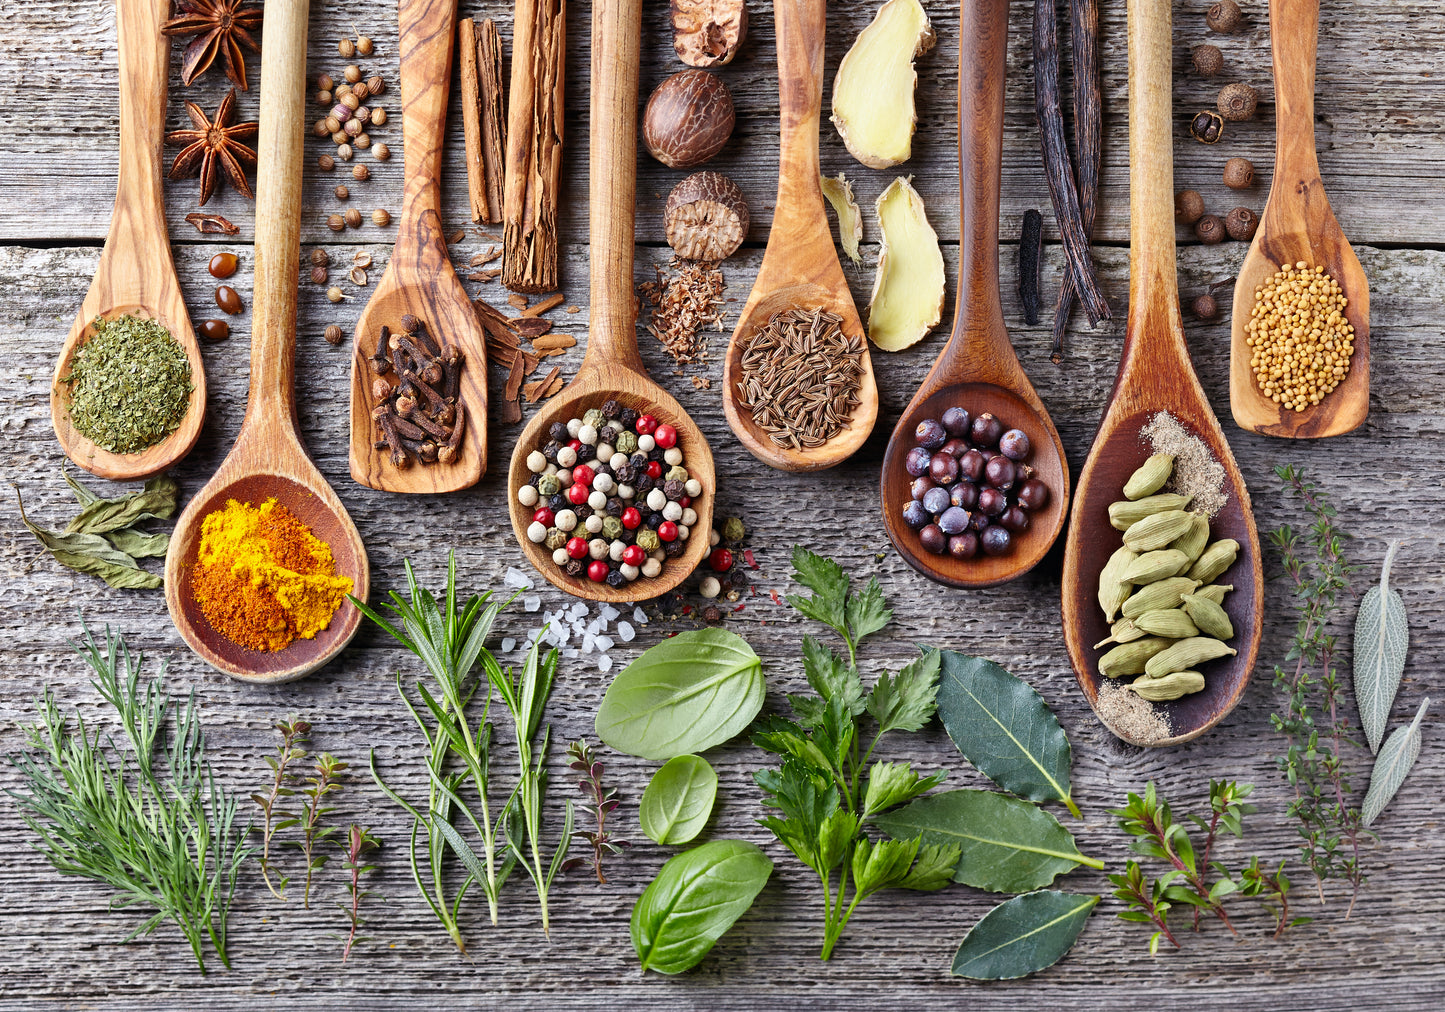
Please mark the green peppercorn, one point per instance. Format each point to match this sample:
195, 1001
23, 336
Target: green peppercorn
733, 529
627, 443
611, 528
647, 539
556, 538
594, 418
676, 473
548, 485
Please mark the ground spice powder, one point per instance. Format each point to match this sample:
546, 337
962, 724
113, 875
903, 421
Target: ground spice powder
263, 579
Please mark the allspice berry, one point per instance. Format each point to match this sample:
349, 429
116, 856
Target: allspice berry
336, 223
1241, 224
381, 217
319, 275
320, 257
342, 193
333, 334
1188, 207
380, 151
1205, 307
1207, 127
360, 172
326, 163
1209, 229
1208, 60
1237, 101
1224, 17
1239, 173
353, 218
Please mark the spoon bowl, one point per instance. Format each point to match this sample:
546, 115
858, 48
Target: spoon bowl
612, 368
978, 370
800, 268
136, 275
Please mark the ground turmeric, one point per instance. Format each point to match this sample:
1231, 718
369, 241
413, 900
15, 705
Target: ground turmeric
262, 578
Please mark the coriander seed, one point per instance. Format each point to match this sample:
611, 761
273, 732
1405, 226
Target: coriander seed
375, 85
361, 258
380, 217
350, 101
323, 98
358, 277
344, 152
335, 294
346, 48
352, 74
342, 193
320, 257
381, 152
326, 163
362, 141
362, 115
341, 89
340, 137
320, 129
352, 127
353, 218
360, 91
325, 83
319, 275
332, 124
336, 223
363, 45
360, 172
333, 334
378, 117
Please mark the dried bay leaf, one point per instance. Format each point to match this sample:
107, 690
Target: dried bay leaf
1382, 637
102, 539
139, 544
1023, 935
158, 500
1393, 763
93, 554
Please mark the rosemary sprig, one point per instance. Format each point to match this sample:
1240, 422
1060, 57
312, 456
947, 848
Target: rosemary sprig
152, 823
601, 802
357, 844
312, 815
293, 734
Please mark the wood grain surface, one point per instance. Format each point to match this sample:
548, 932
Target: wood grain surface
1382, 147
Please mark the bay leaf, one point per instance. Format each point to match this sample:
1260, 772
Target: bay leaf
1009, 845
1005, 729
138, 544
93, 554
1382, 636
1023, 935
1399, 753
158, 500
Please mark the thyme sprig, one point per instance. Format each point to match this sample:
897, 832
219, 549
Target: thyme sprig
601, 800
311, 818
357, 844
293, 733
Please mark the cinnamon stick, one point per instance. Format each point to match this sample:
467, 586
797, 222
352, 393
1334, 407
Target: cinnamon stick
494, 121
472, 119
534, 146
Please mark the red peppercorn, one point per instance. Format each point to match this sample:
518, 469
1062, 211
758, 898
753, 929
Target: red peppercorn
631, 519
597, 571
646, 425
654, 469
721, 560
667, 530
544, 516
633, 555
582, 475
577, 548
666, 436
578, 494
575, 445
685, 501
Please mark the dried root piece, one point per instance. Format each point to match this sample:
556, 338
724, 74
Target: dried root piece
873, 92
708, 33
907, 299
850, 220
706, 217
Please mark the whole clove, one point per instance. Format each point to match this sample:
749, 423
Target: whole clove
418, 421
1031, 249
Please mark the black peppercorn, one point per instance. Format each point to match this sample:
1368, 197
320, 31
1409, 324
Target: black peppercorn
674, 548
625, 474
573, 567
614, 506
674, 489
533, 479
615, 578
654, 520
558, 503
712, 613
1207, 127
611, 409
1209, 229
655, 454
628, 418
609, 434
558, 433
582, 510
1241, 223
551, 450
627, 536
643, 485
638, 460
1205, 307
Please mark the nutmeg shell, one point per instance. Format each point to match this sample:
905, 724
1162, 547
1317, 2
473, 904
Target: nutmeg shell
708, 33
688, 119
706, 217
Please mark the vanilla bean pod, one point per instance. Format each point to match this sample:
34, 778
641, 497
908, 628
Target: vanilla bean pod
1088, 141
1058, 166
1031, 250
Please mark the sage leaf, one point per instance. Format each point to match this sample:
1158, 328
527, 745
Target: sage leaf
686, 694
157, 501
1023, 935
1008, 845
678, 801
138, 544
695, 898
93, 554
1382, 636
1005, 729
1399, 753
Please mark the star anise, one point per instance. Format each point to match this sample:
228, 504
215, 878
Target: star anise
220, 27
214, 147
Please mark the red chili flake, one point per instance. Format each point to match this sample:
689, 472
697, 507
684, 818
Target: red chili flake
748, 556
687, 609
776, 598
739, 608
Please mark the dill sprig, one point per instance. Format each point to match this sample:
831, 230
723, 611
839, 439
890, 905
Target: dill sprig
151, 822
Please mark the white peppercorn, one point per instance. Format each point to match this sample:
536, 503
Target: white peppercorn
536, 533
566, 520
597, 548
527, 495
536, 462
593, 524
651, 568
710, 587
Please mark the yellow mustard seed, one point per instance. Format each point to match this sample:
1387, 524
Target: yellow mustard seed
1300, 342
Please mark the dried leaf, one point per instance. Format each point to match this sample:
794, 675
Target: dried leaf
92, 553
158, 500
1392, 764
1382, 636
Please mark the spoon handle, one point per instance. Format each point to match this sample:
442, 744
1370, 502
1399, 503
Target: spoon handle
1294, 29
801, 26
144, 57
279, 148
427, 30
612, 184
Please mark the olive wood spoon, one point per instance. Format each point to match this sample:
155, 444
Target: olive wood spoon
612, 367
1298, 224
419, 279
800, 267
268, 460
978, 369
1155, 374
136, 275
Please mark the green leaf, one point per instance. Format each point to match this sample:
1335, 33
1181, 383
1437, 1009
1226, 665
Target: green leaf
1382, 637
830, 676
836, 832
1393, 763
799, 793
158, 500
695, 898
933, 870
1008, 845
866, 612
906, 701
91, 553
881, 865
138, 544
1005, 729
892, 784
678, 801
686, 694
1022, 935
829, 584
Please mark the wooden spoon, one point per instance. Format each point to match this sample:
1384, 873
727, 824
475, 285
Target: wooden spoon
268, 460
136, 275
800, 267
1155, 375
978, 369
419, 279
612, 367
1298, 225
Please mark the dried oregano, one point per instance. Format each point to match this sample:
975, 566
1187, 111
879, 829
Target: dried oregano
130, 384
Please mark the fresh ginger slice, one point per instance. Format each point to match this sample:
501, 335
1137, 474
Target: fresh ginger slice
850, 220
873, 92
907, 299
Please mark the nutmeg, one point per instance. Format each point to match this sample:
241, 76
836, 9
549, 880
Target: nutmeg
1237, 101
1188, 207
688, 119
1241, 224
706, 217
1209, 229
1239, 173
1208, 60
1224, 17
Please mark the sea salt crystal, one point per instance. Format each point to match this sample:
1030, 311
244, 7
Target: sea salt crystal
515, 579
508, 644
639, 616
604, 663
571, 653
604, 643
578, 610
625, 632
608, 613
588, 642
532, 602
593, 626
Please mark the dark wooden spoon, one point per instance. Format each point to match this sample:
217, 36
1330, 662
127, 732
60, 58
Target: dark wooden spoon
1155, 374
978, 369
612, 367
268, 460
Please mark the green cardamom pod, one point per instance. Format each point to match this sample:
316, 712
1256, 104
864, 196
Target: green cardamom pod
1216, 559
1214, 592
1152, 566
1193, 541
1167, 687
1132, 658
1170, 622
1184, 654
1157, 530
1211, 619
1164, 594
1114, 590
1150, 477
1122, 631
1125, 513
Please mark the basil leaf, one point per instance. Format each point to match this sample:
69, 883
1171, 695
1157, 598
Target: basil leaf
678, 801
1022, 935
1391, 766
1008, 845
695, 898
1004, 728
687, 694
1382, 636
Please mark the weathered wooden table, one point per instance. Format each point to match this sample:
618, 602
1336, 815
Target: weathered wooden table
1382, 148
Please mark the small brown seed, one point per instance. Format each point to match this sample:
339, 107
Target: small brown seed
1208, 60
350, 101
381, 217
1241, 224
352, 127
1237, 101
1205, 307
375, 85
358, 277
319, 275
320, 257
363, 45
353, 218
325, 83
362, 141
332, 124
336, 223
333, 334
1239, 173
341, 89
360, 90
342, 193
346, 48
323, 98
326, 163
215, 330
344, 152
340, 137
1224, 17
378, 116
363, 115
352, 74
335, 294
1209, 229
319, 129
380, 151
1207, 127
360, 173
